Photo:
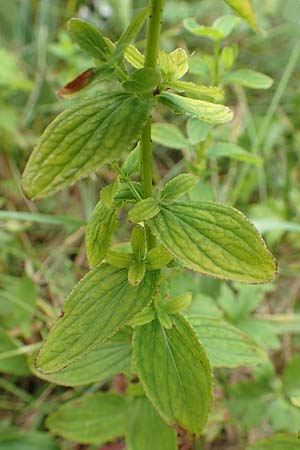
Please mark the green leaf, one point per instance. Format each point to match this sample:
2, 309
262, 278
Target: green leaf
144, 210
132, 163
206, 111
226, 24
191, 25
195, 89
134, 57
16, 439
178, 186
119, 259
138, 242
145, 316
277, 442
226, 345
130, 34
91, 419
84, 138
174, 65
142, 81
157, 258
233, 151
136, 272
178, 304
220, 29
99, 305
109, 359
291, 378
245, 10
146, 430
198, 131
214, 239
248, 78
169, 135
90, 39
174, 372
16, 365
99, 231
109, 192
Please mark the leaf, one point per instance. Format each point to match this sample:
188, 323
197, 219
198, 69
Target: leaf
144, 210
226, 24
109, 359
143, 80
233, 151
138, 242
178, 304
157, 258
191, 25
277, 442
109, 192
91, 419
145, 316
136, 272
206, 111
226, 345
130, 34
134, 57
99, 231
169, 135
174, 372
119, 259
174, 65
16, 365
291, 378
245, 10
84, 138
248, 78
99, 305
90, 39
80, 82
132, 163
146, 430
198, 131
178, 186
17, 439
214, 239
195, 89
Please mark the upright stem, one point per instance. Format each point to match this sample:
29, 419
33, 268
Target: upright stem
152, 48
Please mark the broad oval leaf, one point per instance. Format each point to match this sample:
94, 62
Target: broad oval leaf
175, 372
214, 239
84, 138
99, 231
233, 151
245, 10
99, 305
226, 345
146, 430
15, 365
90, 39
178, 186
109, 359
206, 111
143, 80
169, 135
277, 442
197, 130
92, 419
248, 78
143, 210
17, 439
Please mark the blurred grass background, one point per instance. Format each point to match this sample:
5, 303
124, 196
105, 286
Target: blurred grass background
42, 244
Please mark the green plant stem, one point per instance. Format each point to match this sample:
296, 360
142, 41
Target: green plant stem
152, 48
